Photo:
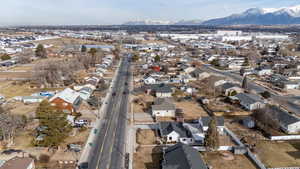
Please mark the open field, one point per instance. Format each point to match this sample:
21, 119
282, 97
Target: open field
147, 158
216, 160
146, 137
68, 41
191, 110
19, 108
10, 89
279, 154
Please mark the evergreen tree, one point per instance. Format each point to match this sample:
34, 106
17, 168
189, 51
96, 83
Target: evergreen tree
157, 58
58, 127
135, 57
245, 83
212, 135
40, 51
5, 57
93, 51
246, 62
83, 48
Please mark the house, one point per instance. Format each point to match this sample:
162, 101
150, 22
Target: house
288, 122
149, 80
67, 100
173, 132
248, 122
199, 74
288, 85
181, 156
163, 107
262, 71
189, 70
32, 99
19, 163
85, 93
249, 101
204, 123
195, 131
229, 89
163, 91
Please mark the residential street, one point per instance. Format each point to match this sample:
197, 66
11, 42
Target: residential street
286, 101
109, 149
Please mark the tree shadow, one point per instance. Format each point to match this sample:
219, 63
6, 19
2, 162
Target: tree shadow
157, 157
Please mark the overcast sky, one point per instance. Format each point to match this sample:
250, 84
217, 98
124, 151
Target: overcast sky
51, 12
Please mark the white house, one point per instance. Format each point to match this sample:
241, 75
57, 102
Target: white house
163, 91
174, 132
163, 107
288, 122
149, 80
249, 101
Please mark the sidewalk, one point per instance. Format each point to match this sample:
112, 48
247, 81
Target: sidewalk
85, 155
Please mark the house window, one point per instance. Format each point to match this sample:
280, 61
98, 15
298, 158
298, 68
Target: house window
65, 104
184, 139
170, 138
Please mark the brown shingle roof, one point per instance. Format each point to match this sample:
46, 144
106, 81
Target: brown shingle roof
17, 163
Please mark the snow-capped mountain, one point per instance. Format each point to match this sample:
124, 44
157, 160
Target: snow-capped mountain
261, 16
149, 22
159, 22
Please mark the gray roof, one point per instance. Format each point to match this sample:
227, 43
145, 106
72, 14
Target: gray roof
163, 89
228, 85
205, 120
181, 156
166, 128
163, 104
248, 98
283, 117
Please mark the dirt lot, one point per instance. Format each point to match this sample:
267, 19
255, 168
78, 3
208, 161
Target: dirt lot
279, 154
216, 160
18, 108
11, 89
146, 137
66, 41
191, 110
143, 99
147, 158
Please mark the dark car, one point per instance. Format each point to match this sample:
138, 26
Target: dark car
84, 165
114, 94
126, 83
124, 92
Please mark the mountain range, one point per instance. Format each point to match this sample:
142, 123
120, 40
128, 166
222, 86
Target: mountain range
252, 16
161, 22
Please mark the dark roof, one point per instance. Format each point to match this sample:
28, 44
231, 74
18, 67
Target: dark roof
228, 85
166, 128
163, 89
248, 98
205, 120
181, 156
284, 118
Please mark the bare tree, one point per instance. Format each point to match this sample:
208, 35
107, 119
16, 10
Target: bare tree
9, 124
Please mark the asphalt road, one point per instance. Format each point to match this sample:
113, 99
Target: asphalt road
285, 101
109, 148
